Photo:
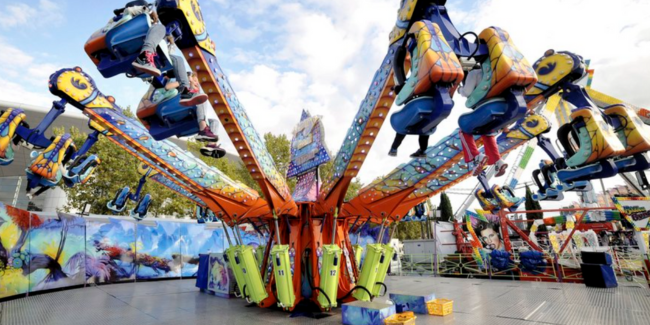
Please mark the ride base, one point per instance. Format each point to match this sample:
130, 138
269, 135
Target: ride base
475, 302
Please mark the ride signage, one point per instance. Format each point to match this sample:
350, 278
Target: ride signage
636, 210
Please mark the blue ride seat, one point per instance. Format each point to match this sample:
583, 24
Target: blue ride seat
118, 203
115, 49
422, 115
498, 99
554, 195
141, 208
500, 260
532, 261
494, 114
80, 170
435, 74
169, 118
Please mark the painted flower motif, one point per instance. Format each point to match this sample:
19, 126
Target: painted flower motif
17, 260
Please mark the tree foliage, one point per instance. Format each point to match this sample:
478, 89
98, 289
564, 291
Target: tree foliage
532, 205
446, 211
279, 147
116, 170
408, 230
326, 171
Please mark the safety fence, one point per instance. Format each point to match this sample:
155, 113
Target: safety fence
528, 253
628, 264
41, 252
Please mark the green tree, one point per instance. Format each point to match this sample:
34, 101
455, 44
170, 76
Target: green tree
279, 147
532, 205
102, 187
446, 211
353, 189
116, 170
407, 230
230, 168
326, 171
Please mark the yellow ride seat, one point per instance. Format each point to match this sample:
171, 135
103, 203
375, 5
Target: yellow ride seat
433, 61
507, 68
597, 139
48, 166
634, 134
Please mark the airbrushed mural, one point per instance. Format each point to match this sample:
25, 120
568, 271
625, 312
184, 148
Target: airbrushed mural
197, 240
44, 252
40, 252
110, 251
56, 252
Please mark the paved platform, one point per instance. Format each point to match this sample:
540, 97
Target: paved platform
475, 302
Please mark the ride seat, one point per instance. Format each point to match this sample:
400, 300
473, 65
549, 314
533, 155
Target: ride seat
633, 133
498, 99
144, 112
596, 138
115, 49
487, 203
168, 118
49, 163
432, 61
10, 120
507, 68
435, 73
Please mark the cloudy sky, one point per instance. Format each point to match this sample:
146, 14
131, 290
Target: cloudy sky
284, 56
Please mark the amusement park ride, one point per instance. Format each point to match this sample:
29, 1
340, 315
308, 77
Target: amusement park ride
308, 255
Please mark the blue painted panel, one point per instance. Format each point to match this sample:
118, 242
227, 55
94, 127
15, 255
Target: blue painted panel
366, 313
411, 302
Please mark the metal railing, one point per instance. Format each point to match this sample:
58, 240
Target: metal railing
628, 264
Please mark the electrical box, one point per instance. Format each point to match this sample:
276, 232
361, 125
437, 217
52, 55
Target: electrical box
384, 263
369, 271
283, 276
235, 267
329, 276
254, 285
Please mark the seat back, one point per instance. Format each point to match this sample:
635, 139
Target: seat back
48, 164
168, 118
128, 37
596, 138
506, 68
633, 134
147, 107
9, 122
172, 111
432, 61
114, 50
163, 103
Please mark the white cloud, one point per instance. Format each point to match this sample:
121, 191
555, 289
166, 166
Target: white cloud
16, 93
322, 55
24, 78
273, 99
336, 47
614, 37
44, 13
